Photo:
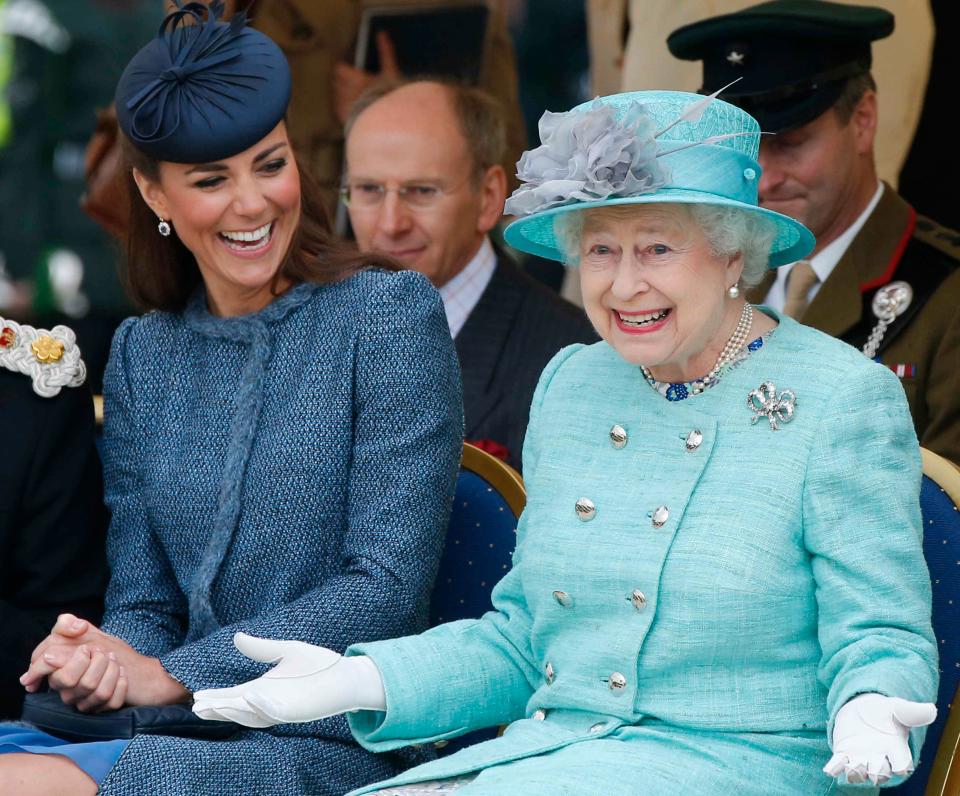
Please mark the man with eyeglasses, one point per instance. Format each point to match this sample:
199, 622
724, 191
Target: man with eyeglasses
424, 185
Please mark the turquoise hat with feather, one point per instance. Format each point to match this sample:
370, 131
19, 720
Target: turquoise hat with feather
643, 147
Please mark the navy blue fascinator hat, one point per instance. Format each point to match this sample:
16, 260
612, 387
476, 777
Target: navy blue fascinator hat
202, 90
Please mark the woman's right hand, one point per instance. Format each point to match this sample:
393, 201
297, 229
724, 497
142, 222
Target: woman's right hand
66, 658
307, 683
91, 681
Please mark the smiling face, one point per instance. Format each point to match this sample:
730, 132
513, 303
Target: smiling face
237, 217
411, 139
655, 291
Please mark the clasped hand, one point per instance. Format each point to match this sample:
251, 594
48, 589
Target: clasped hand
95, 671
870, 737
307, 683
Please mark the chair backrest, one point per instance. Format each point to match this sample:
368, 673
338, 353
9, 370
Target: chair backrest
480, 537
939, 502
478, 552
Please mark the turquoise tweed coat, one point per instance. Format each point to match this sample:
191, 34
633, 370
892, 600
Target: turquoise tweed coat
289, 474
705, 653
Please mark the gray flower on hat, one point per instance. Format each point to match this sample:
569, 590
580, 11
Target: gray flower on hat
588, 156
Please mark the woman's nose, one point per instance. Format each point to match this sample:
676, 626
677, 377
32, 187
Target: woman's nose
629, 281
248, 199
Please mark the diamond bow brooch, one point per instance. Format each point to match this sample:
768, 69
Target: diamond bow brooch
765, 402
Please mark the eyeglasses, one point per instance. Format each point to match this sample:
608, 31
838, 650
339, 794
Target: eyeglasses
365, 195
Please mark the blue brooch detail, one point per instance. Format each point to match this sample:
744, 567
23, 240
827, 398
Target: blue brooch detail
676, 392
755, 345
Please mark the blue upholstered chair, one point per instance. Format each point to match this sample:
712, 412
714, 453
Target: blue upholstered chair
939, 771
480, 537
480, 540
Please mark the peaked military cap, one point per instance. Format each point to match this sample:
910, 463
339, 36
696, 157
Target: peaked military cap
794, 57
203, 90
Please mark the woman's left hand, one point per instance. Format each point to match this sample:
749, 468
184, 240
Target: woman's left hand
870, 737
147, 682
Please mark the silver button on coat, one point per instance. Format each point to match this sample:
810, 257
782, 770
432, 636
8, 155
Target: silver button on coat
548, 670
600, 726
617, 682
539, 714
618, 437
638, 598
563, 598
694, 438
586, 511
660, 516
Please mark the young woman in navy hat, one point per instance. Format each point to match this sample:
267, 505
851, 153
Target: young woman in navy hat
282, 436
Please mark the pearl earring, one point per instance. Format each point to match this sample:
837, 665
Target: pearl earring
733, 291
163, 228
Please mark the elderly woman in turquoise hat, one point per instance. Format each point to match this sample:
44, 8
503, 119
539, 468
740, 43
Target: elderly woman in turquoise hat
282, 436
718, 585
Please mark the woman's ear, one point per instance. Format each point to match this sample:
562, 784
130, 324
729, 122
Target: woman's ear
152, 194
734, 268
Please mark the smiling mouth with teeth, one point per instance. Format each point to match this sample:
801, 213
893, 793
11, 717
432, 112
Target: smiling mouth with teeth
244, 241
639, 321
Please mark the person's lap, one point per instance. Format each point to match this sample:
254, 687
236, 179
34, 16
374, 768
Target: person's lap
250, 762
653, 760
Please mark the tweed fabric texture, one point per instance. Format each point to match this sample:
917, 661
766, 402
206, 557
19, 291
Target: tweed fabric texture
788, 578
288, 474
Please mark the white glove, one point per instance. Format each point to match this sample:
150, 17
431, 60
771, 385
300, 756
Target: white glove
308, 683
870, 737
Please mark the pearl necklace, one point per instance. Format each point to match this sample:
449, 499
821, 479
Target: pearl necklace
728, 354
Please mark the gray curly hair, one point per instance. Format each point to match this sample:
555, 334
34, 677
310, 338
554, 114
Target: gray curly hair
729, 230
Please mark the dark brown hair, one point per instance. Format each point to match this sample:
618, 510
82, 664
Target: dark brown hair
160, 273
480, 116
853, 92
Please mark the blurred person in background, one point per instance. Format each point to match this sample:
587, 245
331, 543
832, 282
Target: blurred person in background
58, 265
52, 518
881, 278
424, 185
548, 82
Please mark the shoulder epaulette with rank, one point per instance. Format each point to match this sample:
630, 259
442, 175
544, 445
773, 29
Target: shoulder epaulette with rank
50, 358
942, 238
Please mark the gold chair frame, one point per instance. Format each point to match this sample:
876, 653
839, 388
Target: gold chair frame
945, 774
500, 475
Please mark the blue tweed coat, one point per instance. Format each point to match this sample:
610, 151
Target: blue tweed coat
288, 474
787, 577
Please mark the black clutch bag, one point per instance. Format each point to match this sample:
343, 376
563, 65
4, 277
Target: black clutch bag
47, 712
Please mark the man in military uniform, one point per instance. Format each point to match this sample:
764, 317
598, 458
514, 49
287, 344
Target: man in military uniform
881, 278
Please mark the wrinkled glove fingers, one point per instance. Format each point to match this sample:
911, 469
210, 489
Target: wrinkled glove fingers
835, 765
219, 694
901, 761
857, 771
878, 769
236, 711
267, 710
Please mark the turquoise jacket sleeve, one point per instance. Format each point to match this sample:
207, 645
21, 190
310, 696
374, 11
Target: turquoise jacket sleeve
462, 675
874, 621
